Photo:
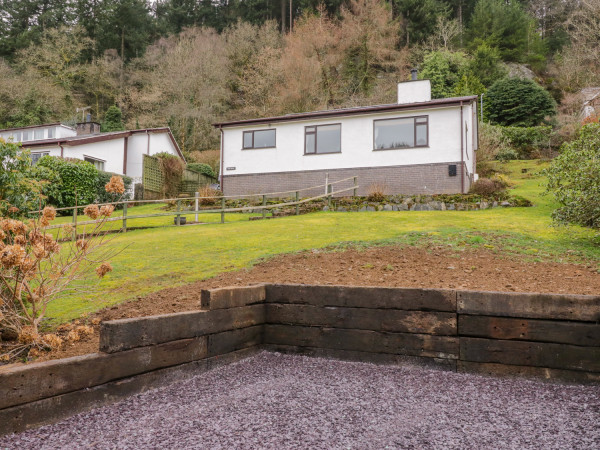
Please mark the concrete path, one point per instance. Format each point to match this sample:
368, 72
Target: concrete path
281, 401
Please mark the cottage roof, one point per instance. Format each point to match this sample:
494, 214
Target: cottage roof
455, 101
71, 141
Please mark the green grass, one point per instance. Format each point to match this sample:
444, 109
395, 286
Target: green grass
163, 257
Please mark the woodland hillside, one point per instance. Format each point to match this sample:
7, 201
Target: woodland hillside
188, 63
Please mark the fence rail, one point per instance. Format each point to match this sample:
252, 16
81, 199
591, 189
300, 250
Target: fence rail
329, 193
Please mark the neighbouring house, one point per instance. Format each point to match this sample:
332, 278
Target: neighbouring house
120, 152
591, 102
415, 146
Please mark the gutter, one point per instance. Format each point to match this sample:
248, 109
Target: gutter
462, 156
222, 155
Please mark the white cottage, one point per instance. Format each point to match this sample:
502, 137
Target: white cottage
415, 146
120, 152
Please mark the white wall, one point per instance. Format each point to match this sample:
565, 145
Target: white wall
357, 144
111, 152
149, 144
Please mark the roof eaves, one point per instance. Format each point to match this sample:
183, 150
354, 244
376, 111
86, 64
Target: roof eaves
351, 111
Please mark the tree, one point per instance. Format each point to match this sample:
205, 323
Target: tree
419, 18
444, 70
518, 102
505, 26
485, 63
113, 120
574, 179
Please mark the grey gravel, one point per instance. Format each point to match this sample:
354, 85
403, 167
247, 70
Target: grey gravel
279, 401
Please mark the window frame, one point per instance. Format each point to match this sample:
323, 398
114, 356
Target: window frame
94, 161
253, 131
415, 124
315, 133
41, 155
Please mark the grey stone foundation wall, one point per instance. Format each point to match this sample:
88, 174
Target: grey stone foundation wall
533, 335
409, 180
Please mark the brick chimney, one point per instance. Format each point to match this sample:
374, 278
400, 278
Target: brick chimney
88, 127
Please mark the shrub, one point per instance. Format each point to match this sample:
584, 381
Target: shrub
487, 187
574, 179
207, 191
202, 168
102, 196
172, 171
507, 154
376, 192
36, 268
529, 141
18, 192
518, 102
77, 181
210, 157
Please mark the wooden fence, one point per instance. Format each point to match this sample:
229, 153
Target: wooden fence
180, 211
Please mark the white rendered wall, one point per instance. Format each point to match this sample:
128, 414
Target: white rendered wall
414, 91
357, 144
149, 144
111, 152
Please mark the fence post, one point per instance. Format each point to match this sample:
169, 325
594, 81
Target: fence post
222, 209
124, 229
264, 210
178, 217
329, 190
297, 204
355, 184
74, 234
197, 194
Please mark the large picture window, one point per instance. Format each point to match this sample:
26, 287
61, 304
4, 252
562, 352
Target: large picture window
323, 139
407, 132
259, 139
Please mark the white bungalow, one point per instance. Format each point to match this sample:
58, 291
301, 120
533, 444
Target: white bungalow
120, 152
415, 146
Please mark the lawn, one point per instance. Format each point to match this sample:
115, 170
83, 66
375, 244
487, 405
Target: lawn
157, 258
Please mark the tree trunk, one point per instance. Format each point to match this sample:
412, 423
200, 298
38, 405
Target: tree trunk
283, 2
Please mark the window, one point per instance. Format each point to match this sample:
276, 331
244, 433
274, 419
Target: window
16, 137
259, 139
323, 139
26, 135
38, 134
35, 157
50, 133
98, 163
409, 132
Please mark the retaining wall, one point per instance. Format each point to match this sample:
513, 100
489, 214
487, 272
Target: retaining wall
540, 335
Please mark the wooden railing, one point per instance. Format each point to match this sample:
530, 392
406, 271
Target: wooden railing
328, 194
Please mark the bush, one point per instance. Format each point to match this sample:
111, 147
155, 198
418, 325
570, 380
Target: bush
529, 140
172, 171
210, 157
574, 179
487, 187
202, 168
18, 192
102, 196
78, 181
507, 154
376, 192
518, 102
207, 191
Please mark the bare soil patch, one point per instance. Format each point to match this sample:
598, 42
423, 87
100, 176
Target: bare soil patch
394, 266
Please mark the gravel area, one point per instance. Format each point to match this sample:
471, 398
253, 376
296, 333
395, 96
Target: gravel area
283, 401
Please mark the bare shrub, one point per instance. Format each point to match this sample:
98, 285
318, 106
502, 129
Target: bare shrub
172, 171
36, 268
376, 192
487, 187
207, 192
